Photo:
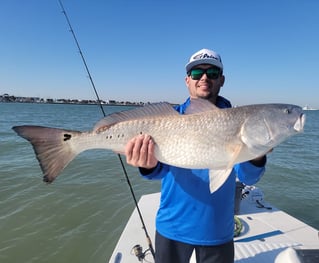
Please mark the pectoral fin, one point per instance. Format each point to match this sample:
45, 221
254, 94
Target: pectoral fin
217, 178
235, 151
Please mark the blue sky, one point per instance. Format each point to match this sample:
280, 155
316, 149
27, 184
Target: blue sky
137, 50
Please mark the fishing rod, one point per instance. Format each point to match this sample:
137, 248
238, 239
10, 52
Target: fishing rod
138, 252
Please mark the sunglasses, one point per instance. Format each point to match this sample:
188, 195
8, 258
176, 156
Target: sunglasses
211, 73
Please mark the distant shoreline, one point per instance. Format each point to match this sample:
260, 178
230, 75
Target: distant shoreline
6, 98
66, 103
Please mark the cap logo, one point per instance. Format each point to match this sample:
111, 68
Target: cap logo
204, 55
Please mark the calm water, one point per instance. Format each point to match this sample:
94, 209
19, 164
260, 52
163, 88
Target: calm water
80, 216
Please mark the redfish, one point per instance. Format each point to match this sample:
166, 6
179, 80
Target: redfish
205, 137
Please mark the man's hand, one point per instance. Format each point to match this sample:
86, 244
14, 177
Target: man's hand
139, 152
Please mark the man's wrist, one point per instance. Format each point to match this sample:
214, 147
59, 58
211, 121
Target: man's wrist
147, 171
259, 162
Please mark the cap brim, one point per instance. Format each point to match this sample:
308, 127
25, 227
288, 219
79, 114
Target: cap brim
210, 61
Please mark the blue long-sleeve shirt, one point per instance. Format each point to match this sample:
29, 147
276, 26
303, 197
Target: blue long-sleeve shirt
188, 212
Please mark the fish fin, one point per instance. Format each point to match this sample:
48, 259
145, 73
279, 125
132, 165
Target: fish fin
217, 178
53, 148
200, 105
235, 151
153, 110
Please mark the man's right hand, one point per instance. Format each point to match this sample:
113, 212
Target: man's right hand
139, 152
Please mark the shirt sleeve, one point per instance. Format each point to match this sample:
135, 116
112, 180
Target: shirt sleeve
156, 173
249, 173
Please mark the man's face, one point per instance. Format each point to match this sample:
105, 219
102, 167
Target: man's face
204, 87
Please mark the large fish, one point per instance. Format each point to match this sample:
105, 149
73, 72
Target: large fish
204, 137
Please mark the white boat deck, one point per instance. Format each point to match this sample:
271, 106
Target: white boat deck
265, 234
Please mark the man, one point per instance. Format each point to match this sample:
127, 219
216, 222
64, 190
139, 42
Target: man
190, 217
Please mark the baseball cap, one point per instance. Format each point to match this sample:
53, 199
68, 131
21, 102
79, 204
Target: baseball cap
204, 56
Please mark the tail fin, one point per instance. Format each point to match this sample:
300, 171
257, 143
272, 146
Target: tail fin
53, 148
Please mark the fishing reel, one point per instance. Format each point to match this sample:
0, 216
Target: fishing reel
138, 252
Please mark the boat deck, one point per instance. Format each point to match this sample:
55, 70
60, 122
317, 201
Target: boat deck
266, 233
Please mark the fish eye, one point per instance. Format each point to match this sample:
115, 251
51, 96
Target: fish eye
287, 111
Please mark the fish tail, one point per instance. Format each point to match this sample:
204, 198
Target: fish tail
53, 148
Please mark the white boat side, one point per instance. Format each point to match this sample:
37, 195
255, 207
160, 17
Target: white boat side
268, 234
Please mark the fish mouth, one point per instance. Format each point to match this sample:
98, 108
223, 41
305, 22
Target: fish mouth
300, 123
